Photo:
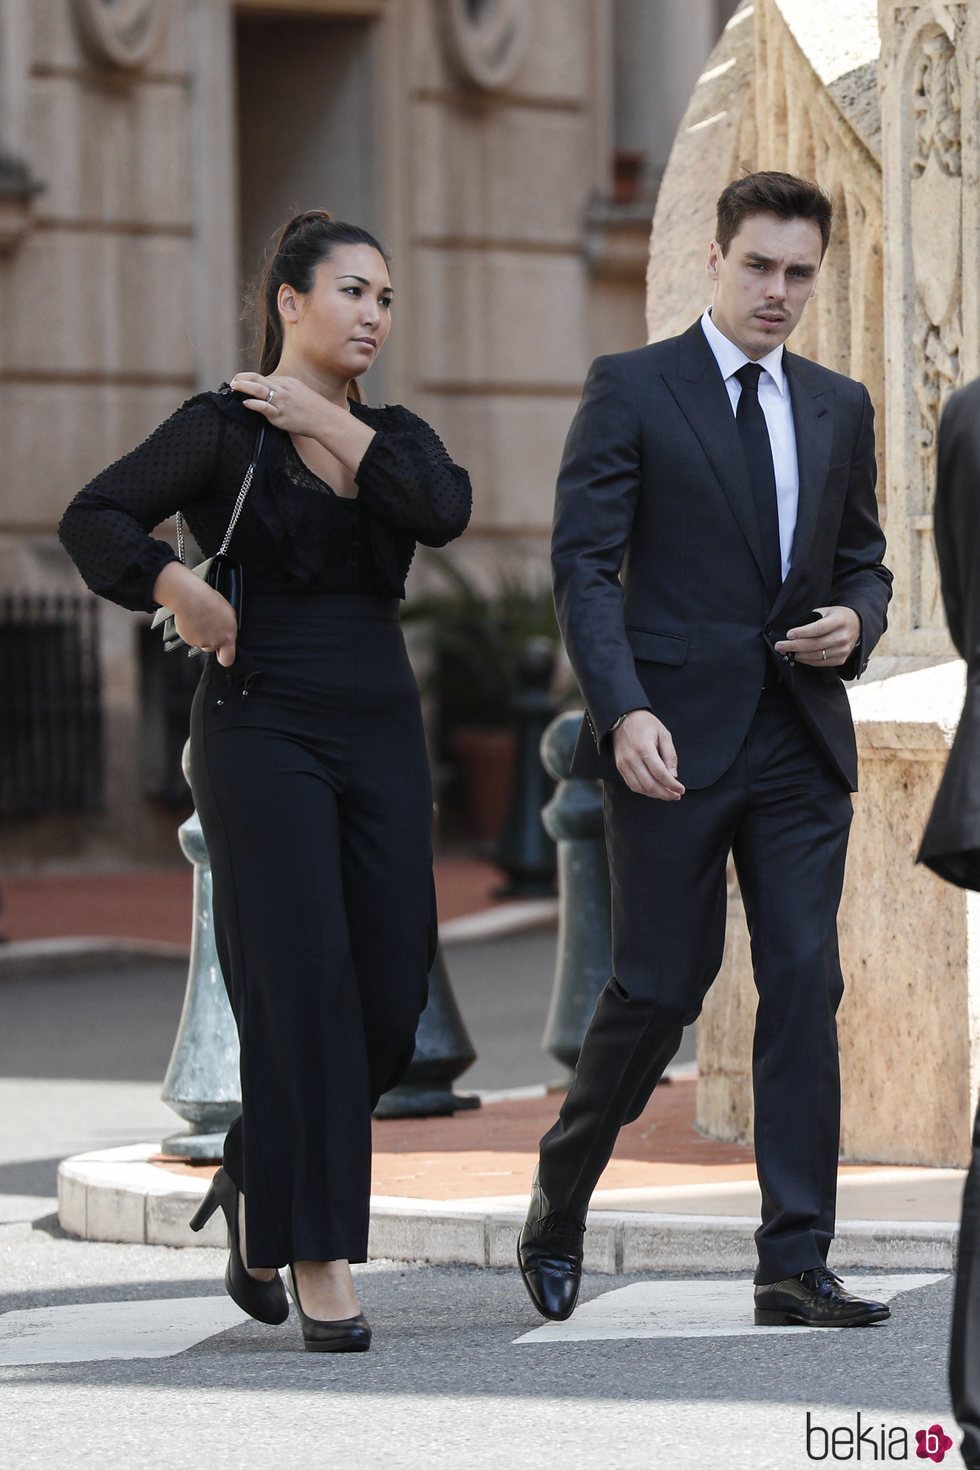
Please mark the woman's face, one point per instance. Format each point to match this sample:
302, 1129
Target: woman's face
341, 323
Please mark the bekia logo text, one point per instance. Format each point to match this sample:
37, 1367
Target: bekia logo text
873, 1442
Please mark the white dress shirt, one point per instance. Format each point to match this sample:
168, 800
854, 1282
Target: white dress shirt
777, 406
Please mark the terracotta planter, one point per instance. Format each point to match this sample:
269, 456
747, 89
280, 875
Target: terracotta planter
629, 166
486, 759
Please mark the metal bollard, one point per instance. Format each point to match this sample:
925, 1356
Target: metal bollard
526, 852
443, 1051
573, 817
202, 1082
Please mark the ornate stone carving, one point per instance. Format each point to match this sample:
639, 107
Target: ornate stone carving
123, 33
939, 347
937, 106
936, 203
18, 186
487, 39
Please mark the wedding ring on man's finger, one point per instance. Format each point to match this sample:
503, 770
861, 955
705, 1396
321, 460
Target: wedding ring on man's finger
272, 394
823, 654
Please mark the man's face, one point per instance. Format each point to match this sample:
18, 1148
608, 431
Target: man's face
765, 280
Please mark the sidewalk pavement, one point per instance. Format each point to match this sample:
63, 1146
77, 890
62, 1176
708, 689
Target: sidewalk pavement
454, 1189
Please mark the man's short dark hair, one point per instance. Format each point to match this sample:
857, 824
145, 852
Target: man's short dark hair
783, 195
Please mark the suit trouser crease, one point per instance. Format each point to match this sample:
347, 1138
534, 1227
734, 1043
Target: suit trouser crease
797, 1100
310, 776
785, 815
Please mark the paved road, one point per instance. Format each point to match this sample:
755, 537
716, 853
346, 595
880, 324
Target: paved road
447, 1383
122, 1355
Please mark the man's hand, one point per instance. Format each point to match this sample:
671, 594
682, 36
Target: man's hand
645, 756
828, 643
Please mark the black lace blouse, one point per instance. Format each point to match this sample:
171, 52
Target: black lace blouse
295, 534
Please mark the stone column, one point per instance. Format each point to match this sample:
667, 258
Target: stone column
910, 1019
214, 185
930, 53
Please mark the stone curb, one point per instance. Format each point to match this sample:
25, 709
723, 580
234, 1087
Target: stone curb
505, 919
117, 1196
25, 958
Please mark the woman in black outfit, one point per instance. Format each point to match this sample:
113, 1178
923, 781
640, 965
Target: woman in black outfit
308, 759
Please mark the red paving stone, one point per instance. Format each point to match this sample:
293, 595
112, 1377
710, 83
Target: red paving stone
492, 1150
155, 904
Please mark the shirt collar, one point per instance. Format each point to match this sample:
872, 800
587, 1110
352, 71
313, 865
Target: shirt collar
730, 358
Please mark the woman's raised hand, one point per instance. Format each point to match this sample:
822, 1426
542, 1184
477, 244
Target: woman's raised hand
285, 402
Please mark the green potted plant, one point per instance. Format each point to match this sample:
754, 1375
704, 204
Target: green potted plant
474, 632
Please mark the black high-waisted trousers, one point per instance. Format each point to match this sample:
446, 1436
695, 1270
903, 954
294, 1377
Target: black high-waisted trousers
311, 780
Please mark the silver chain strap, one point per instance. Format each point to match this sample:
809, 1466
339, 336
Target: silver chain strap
236, 512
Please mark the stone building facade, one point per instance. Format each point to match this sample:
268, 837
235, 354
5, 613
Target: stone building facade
507, 151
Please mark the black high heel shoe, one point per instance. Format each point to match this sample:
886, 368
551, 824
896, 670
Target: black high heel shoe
263, 1300
349, 1335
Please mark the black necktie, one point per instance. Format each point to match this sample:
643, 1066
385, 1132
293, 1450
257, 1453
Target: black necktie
754, 434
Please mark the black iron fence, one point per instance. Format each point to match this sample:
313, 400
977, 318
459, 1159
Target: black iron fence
167, 685
50, 705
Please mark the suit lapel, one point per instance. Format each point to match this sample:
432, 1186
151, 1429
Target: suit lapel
702, 397
813, 421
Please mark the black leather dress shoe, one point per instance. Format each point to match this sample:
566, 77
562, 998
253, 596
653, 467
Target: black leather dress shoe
549, 1254
815, 1299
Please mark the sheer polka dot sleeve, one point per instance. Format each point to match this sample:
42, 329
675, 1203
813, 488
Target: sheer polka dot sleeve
106, 528
408, 479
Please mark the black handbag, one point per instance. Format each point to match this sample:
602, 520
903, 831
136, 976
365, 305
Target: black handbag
221, 571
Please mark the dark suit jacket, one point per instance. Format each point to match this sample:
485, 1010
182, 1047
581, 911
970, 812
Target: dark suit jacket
658, 570
951, 844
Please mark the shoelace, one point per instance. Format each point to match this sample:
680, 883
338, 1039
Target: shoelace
563, 1231
825, 1277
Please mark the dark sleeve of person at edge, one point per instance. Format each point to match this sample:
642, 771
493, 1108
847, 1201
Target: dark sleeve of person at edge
951, 843
295, 534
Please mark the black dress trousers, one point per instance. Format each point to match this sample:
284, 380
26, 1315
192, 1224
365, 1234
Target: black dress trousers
311, 779
784, 815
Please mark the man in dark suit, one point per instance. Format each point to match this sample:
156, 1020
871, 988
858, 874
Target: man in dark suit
717, 564
951, 844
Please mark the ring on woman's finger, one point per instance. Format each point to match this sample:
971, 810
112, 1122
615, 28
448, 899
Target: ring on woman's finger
272, 394
823, 654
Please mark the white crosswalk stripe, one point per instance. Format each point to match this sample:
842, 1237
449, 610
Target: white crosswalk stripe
97, 1331
693, 1309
